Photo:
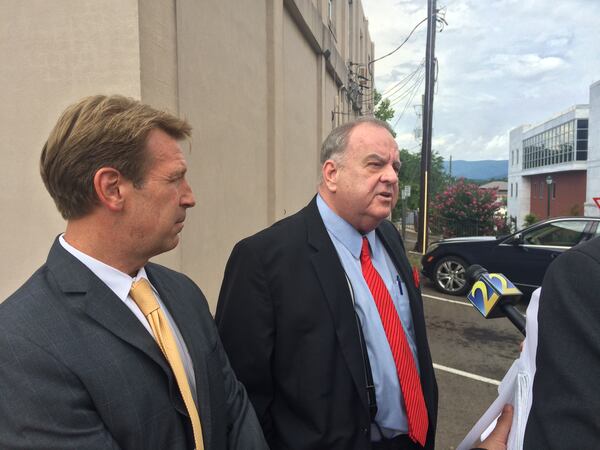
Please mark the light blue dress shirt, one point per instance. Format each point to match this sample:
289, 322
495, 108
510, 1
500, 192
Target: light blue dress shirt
391, 412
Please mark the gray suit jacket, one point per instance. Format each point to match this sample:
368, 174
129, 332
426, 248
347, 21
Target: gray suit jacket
79, 371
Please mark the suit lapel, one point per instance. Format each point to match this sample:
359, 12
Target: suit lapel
330, 273
79, 284
100, 303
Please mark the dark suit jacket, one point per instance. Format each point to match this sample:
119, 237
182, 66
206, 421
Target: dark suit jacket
287, 322
79, 371
565, 412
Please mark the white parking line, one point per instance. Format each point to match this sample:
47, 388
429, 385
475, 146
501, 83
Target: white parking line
441, 299
462, 373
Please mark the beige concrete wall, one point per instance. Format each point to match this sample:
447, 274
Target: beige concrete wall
223, 92
301, 105
250, 77
52, 53
158, 76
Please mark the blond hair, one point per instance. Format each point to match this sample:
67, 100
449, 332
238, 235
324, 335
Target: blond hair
100, 131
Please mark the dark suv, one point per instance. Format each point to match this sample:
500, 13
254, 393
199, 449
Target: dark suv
523, 256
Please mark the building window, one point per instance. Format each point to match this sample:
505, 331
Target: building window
553, 190
563, 143
511, 189
582, 139
517, 156
516, 189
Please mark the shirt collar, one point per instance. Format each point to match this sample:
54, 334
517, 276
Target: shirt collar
118, 282
343, 231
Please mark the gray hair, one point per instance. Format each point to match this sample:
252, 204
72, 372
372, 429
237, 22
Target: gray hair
336, 142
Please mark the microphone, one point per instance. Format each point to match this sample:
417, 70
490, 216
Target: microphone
494, 295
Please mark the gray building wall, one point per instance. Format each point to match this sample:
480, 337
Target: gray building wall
593, 171
251, 77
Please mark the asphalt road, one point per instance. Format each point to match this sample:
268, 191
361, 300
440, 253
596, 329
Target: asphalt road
461, 339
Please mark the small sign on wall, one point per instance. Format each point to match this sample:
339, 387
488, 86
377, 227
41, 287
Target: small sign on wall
597, 201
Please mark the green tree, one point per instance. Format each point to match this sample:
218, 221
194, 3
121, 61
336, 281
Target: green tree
383, 110
410, 174
530, 219
464, 209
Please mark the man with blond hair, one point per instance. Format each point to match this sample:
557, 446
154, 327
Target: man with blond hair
100, 348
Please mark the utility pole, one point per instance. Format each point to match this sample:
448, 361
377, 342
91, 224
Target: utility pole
422, 236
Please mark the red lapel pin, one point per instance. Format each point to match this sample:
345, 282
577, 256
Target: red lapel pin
416, 277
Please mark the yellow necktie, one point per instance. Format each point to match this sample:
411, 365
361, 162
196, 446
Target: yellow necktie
142, 295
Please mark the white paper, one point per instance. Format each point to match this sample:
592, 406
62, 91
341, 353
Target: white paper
515, 389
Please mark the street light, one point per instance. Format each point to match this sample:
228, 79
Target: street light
549, 183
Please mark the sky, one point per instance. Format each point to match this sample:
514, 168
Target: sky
501, 64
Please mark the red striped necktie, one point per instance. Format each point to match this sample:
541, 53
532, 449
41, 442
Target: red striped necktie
403, 357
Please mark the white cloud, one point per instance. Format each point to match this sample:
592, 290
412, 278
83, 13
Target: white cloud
525, 65
497, 147
501, 63
407, 141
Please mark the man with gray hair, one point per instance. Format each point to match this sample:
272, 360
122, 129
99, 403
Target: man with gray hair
322, 318
100, 348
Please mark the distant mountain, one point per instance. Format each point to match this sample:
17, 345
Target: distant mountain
478, 170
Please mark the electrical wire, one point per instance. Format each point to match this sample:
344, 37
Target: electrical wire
400, 46
440, 19
388, 92
408, 92
398, 86
402, 94
414, 91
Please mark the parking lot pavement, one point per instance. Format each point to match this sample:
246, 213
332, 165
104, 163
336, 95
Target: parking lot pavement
481, 350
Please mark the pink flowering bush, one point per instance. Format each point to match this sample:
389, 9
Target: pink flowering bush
464, 209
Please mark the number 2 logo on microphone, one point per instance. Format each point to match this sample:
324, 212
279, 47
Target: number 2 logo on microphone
483, 297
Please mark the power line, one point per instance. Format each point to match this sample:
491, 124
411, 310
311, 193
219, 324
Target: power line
414, 91
400, 46
402, 94
409, 91
397, 87
388, 92
438, 16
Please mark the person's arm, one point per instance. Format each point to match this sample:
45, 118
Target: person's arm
43, 405
244, 430
246, 324
565, 410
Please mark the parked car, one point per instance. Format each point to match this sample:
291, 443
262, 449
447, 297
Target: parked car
523, 257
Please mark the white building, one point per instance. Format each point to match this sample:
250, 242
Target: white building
554, 167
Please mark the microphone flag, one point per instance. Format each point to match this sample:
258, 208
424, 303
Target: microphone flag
488, 289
